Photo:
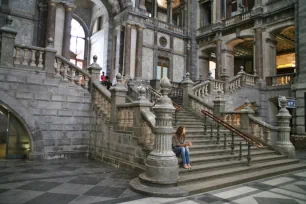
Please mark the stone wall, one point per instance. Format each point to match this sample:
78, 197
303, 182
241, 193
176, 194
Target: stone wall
58, 110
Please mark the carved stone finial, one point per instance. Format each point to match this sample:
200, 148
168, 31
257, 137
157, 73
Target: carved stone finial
95, 58
187, 76
9, 20
246, 103
50, 42
141, 90
210, 74
241, 69
119, 78
283, 102
165, 85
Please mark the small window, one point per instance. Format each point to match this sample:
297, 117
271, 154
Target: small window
77, 44
161, 72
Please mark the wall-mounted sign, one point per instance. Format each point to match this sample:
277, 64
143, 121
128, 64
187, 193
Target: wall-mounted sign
291, 103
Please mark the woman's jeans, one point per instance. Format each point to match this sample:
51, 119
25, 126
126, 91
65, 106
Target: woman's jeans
184, 152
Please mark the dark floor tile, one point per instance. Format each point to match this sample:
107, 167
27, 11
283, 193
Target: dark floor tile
262, 200
34, 171
113, 192
97, 191
208, 198
90, 180
52, 198
39, 186
121, 200
67, 168
3, 190
126, 175
260, 186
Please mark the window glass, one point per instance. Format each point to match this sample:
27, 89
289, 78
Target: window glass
158, 72
165, 72
77, 44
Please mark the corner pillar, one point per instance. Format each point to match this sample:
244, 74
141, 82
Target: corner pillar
8, 36
187, 88
139, 43
51, 21
94, 69
127, 51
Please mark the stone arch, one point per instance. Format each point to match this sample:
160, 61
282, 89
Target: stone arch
28, 121
279, 26
83, 24
230, 41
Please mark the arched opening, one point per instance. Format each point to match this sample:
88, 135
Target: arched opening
15, 140
207, 63
77, 44
244, 56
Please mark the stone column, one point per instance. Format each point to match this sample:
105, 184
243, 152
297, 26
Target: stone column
127, 51
42, 26
187, 88
218, 60
204, 66
139, 43
51, 20
219, 11
118, 94
169, 11
67, 30
154, 8
142, 5
283, 143
269, 57
258, 52
117, 54
94, 69
161, 175
8, 35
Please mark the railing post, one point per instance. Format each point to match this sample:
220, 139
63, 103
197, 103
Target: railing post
244, 118
8, 35
187, 89
225, 135
118, 94
283, 143
218, 133
249, 155
94, 69
219, 104
240, 151
232, 145
50, 53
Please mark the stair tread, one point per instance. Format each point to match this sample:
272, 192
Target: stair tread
225, 150
270, 164
243, 177
216, 157
229, 163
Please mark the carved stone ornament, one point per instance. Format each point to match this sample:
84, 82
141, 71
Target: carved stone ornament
163, 41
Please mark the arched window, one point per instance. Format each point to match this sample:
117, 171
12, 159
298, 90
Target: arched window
77, 44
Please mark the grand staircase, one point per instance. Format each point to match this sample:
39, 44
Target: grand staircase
213, 165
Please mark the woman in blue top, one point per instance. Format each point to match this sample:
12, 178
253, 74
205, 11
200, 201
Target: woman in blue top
180, 147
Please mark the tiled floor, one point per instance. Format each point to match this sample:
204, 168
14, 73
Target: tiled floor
92, 182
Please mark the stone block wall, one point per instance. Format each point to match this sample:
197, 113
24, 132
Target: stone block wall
60, 111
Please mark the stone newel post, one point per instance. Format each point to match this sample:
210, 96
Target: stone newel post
94, 69
219, 104
8, 35
161, 173
50, 57
244, 117
283, 143
118, 94
187, 88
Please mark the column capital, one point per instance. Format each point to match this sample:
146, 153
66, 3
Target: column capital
52, 3
69, 6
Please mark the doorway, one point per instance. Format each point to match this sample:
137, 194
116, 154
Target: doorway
14, 138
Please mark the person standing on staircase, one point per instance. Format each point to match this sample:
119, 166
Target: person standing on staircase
180, 147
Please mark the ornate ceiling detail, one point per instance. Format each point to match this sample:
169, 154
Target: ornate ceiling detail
163, 3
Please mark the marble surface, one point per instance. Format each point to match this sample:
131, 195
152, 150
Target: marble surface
147, 63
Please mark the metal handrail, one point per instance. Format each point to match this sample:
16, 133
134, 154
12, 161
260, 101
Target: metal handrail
251, 140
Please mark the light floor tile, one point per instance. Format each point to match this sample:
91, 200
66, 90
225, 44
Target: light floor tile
13, 185
235, 192
152, 200
188, 202
278, 181
68, 188
302, 174
289, 193
294, 188
17, 196
84, 199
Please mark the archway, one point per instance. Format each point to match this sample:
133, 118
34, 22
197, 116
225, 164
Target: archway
207, 61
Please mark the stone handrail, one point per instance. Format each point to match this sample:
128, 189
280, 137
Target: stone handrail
280, 80
232, 118
261, 129
240, 80
197, 104
164, 25
125, 116
29, 56
238, 18
208, 87
101, 100
147, 126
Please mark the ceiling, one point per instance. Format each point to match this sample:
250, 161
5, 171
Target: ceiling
163, 3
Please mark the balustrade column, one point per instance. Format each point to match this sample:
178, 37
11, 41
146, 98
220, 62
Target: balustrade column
139, 43
51, 20
283, 143
67, 30
169, 11
127, 51
219, 105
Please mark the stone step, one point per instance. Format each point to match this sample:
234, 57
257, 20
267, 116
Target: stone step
227, 164
212, 140
242, 177
226, 157
207, 152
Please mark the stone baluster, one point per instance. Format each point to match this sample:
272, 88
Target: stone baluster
17, 58
58, 67
66, 67
283, 143
33, 58
40, 59
8, 35
72, 72
86, 82
161, 165
25, 56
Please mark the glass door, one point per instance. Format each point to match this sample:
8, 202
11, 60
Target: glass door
161, 72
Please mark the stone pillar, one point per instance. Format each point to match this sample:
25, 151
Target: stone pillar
139, 43
42, 26
162, 173
219, 11
49, 57
67, 30
169, 11
283, 143
127, 51
118, 94
218, 60
258, 52
187, 88
8, 35
51, 20
94, 69
269, 57
244, 117
117, 54
228, 63
154, 8
204, 66
142, 5
219, 105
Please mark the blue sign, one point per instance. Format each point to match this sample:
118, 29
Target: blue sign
291, 103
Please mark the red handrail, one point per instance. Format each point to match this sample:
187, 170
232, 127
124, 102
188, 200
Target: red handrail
251, 140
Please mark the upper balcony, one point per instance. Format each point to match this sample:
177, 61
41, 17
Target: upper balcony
166, 27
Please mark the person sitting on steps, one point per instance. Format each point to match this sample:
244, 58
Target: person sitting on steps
180, 147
